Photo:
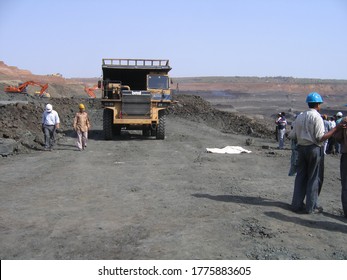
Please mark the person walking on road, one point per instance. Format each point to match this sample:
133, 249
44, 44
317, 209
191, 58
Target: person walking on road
341, 137
281, 129
308, 130
81, 125
50, 123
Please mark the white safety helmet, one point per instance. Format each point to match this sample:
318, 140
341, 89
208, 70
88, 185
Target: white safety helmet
49, 108
339, 114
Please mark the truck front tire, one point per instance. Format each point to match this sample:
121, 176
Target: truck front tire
161, 125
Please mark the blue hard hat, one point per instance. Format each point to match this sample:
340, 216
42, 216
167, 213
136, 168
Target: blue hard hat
314, 97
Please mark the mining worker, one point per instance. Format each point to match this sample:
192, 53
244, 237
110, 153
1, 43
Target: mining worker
341, 137
81, 125
308, 130
50, 122
327, 127
339, 116
281, 129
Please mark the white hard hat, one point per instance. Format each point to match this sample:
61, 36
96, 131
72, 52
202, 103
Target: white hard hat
339, 114
49, 107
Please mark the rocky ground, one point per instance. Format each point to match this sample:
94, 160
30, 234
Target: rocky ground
139, 198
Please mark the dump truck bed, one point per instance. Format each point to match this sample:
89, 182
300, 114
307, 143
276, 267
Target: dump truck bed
133, 72
128, 63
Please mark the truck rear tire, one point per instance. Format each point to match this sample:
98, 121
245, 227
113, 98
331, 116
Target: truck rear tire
107, 124
161, 125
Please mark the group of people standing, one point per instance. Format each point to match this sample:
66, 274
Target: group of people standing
331, 146
309, 133
51, 122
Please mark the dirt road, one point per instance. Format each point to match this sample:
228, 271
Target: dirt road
135, 198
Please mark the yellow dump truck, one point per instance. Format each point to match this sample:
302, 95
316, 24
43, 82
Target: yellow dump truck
135, 94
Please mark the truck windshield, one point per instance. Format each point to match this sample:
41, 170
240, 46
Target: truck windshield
158, 82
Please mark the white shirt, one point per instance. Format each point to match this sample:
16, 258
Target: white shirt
50, 118
308, 128
333, 124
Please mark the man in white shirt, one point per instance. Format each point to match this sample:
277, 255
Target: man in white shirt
339, 116
309, 132
50, 122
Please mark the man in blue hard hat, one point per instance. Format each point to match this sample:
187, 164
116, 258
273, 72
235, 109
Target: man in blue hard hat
308, 130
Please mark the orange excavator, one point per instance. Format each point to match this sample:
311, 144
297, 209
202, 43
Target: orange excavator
90, 90
22, 88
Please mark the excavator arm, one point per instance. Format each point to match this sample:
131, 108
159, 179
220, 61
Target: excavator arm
43, 89
21, 88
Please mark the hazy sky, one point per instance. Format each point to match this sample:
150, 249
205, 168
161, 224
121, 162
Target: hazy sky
298, 38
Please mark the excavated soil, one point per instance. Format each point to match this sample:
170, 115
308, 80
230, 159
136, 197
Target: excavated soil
20, 119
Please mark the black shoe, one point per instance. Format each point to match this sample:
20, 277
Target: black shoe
299, 210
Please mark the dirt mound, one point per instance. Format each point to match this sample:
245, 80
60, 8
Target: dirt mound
21, 119
58, 86
12, 71
196, 109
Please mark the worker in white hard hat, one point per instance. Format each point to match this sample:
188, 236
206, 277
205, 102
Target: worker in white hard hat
50, 122
339, 116
81, 125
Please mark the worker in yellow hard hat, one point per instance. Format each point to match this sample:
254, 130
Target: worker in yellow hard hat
81, 125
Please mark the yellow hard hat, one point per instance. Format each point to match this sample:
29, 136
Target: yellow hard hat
81, 106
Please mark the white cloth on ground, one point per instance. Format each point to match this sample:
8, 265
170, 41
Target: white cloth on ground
228, 150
